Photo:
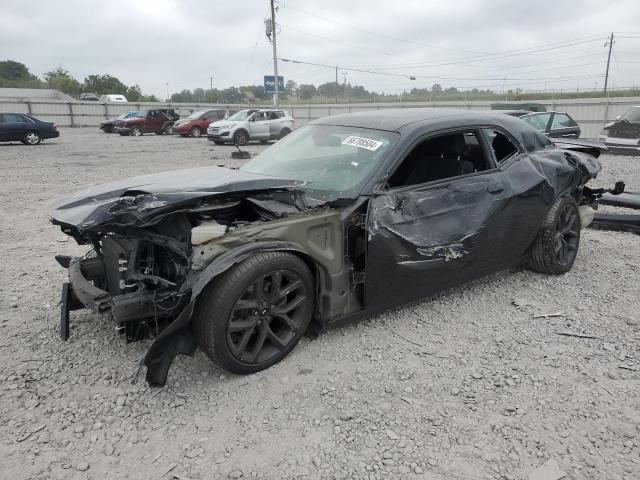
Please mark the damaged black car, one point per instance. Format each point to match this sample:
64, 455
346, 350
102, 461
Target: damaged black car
347, 216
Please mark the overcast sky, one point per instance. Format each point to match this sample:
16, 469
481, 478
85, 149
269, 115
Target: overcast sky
461, 43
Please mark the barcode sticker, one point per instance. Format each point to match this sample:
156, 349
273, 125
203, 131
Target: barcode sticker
362, 142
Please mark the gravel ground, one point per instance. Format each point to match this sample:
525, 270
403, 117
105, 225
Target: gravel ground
465, 385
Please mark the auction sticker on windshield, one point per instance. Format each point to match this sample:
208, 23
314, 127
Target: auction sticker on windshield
361, 142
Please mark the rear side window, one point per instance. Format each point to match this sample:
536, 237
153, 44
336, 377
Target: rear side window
562, 120
502, 146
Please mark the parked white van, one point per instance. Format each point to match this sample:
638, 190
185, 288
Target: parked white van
113, 99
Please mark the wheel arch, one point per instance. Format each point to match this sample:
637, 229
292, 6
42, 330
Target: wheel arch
240, 129
230, 258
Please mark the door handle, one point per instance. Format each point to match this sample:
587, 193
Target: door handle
495, 188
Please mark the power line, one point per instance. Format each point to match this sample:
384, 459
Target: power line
378, 34
433, 77
496, 57
340, 42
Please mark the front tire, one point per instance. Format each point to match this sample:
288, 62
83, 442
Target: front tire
240, 138
255, 314
556, 245
136, 131
195, 132
32, 138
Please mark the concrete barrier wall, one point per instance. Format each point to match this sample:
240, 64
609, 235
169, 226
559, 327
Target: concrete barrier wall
590, 113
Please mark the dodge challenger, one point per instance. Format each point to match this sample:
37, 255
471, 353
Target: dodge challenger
347, 216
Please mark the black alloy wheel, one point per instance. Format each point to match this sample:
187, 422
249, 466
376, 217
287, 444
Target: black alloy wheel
567, 235
267, 317
254, 314
556, 245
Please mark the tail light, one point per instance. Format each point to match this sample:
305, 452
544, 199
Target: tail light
54, 126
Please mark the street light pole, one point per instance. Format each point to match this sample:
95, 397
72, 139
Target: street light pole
276, 98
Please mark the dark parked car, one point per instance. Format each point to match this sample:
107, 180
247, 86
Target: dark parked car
623, 134
109, 126
20, 127
196, 124
346, 216
553, 124
159, 121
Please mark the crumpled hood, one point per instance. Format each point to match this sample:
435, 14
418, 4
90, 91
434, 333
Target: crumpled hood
137, 199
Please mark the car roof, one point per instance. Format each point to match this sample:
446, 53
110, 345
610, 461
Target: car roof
419, 120
397, 118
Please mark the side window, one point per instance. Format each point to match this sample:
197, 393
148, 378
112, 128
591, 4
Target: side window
538, 121
260, 116
219, 114
442, 157
562, 120
25, 119
12, 118
502, 146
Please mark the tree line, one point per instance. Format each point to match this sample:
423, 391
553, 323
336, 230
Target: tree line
17, 75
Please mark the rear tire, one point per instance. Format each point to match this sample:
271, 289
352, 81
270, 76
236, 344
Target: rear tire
168, 130
284, 132
255, 314
556, 245
32, 138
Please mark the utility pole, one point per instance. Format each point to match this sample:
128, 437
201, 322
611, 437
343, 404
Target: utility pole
276, 99
336, 84
608, 43
345, 87
211, 91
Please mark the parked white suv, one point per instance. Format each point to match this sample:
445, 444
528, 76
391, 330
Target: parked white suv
254, 124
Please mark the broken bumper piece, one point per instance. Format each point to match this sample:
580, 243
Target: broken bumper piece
618, 222
86, 292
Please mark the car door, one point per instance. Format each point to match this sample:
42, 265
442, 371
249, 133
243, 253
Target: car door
426, 237
259, 126
562, 125
153, 121
275, 124
13, 127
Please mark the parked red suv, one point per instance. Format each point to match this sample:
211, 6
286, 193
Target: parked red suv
196, 124
159, 121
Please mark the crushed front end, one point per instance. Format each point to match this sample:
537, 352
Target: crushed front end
140, 272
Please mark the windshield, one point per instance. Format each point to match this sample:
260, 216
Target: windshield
334, 161
631, 115
241, 115
129, 114
197, 114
